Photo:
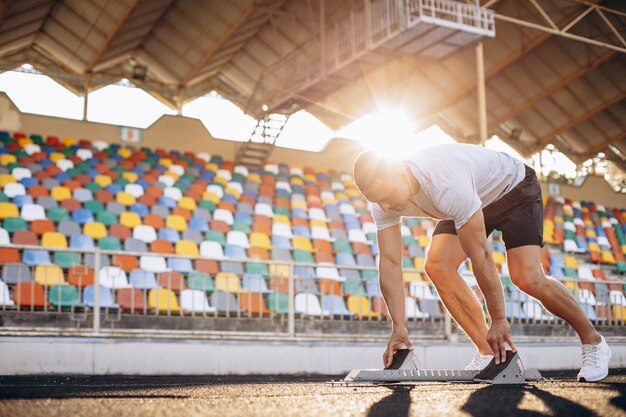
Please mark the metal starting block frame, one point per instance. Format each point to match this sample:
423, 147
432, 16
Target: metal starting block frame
406, 369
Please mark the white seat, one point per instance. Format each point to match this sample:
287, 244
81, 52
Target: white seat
100, 145
224, 173
600, 207
235, 237
144, 233
345, 177
20, 173
196, 301
603, 241
327, 196
14, 189
263, 210
234, 185
241, 170
113, 277
173, 193
166, 180
65, 164
328, 272
504, 270
308, 304
584, 272
82, 194
617, 298
272, 168
576, 204
32, 148
532, 310
421, 290
570, 245
5, 295
605, 223
357, 235
210, 249
560, 200
337, 186
296, 171
4, 237
578, 221
570, 226
319, 232
32, 212
412, 310
369, 227
215, 189
135, 190
177, 169
317, 214
585, 296
153, 263
283, 185
84, 154
282, 229
204, 156
346, 209
224, 216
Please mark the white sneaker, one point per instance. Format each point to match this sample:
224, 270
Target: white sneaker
595, 362
479, 362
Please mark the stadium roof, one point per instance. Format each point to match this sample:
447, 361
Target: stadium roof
554, 72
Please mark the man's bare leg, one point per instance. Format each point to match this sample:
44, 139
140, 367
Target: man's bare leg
444, 257
526, 272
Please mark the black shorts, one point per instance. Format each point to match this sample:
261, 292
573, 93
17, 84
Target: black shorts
518, 215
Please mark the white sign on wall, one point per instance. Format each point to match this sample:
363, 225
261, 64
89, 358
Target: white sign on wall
554, 189
131, 134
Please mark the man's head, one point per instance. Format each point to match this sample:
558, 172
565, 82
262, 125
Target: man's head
382, 181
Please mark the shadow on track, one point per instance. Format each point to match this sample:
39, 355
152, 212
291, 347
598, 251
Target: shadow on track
396, 404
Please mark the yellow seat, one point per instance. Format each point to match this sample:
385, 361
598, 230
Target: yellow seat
130, 219
310, 177
594, 247
172, 174
53, 240
95, 230
302, 243
220, 180
187, 203
619, 312
7, 158
124, 153
176, 222
166, 162
130, 176
187, 247
49, 275
212, 197
301, 204
280, 270
297, 181
254, 177
607, 257
24, 141
419, 263
260, 240
228, 282
498, 258
7, 179
56, 157
411, 276
102, 180
163, 300
571, 262
8, 210
360, 306
281, 218
571, 285
319, 223
233, 191
125, 199
69, 141
212, 167
423, 241
60, 193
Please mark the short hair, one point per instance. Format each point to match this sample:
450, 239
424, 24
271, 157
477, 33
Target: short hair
369, 166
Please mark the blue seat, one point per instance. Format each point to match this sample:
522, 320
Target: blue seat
235, 252
255, 283
143, 183
281, 242
34, 257
557, 272
298, 212
167, 202
20, 200
233, 267
82, 216
29, 182
590, 312
114, 188
63, 176
140, 209
168, 234
304, 271
581, 242
331, 208
229, 198
557, 260
351, 222
142, 279
93, 173
81, 242
106, 297
243, 218
372, 287
180, 265
201, 225
302, 231
344, 258
45, 163
335, 306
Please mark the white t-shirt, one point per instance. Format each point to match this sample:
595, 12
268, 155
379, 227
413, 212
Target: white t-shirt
455, 181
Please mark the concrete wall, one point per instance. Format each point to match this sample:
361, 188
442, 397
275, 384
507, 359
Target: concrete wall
96, 356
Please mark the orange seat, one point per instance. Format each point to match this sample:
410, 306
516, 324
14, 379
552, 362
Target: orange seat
220, 226
70, 204
329, 286
153, 220
36, 191
336, 224
258, 253
185, 213
227, 205
260, 219
322, 245
299, 221
262, 228
207, 266
72, 184
9, 255
161, 246
599, 274
42, 226
172, 280
80, 276
29, 294
358, 247
147, 199
322, 256
126, 262
153, 191
25, 237
120, 232
132, 299
104, 196
253, 303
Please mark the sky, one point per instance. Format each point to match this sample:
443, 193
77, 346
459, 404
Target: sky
127, 106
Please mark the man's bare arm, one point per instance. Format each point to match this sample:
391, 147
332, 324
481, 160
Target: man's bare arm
390, 273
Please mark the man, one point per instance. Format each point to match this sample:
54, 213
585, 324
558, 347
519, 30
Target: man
471, 191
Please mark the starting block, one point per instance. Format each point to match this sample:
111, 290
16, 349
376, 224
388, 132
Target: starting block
406, 368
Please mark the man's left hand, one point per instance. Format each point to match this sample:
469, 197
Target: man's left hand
498, 336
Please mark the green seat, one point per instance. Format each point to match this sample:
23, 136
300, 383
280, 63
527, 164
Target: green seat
372, 237
408, 240
13, 224
207, 205
109, 243
282, 210
107, 218
216, 236
241, 227
37, 139
570, 272
257, 269
119, 169
12, 165
92, 186
302, 256
57, 214
63, 296
407, 262
94, 206
200, 281
66, 259
621, 267
369, 274
3, 198
342, 246
570, 235
278, 303
353, 287
123, 182
181, 186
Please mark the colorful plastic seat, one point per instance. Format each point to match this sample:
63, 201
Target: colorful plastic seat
49, 275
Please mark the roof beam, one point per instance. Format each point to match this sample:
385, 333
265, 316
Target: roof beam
4, 8
581, 118
111, 35
216, 47
613, 139
548, 91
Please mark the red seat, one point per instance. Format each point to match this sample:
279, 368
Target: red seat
104, 196
9, 255
126, 262
120, 232
25, 237
161, 246
132, 299
29, 294
207, 266
36, 191
80, 276
153, 220
42, 226
70, 204
185, 213
172, 280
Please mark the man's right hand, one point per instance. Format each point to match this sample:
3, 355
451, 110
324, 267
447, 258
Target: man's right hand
399, 336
